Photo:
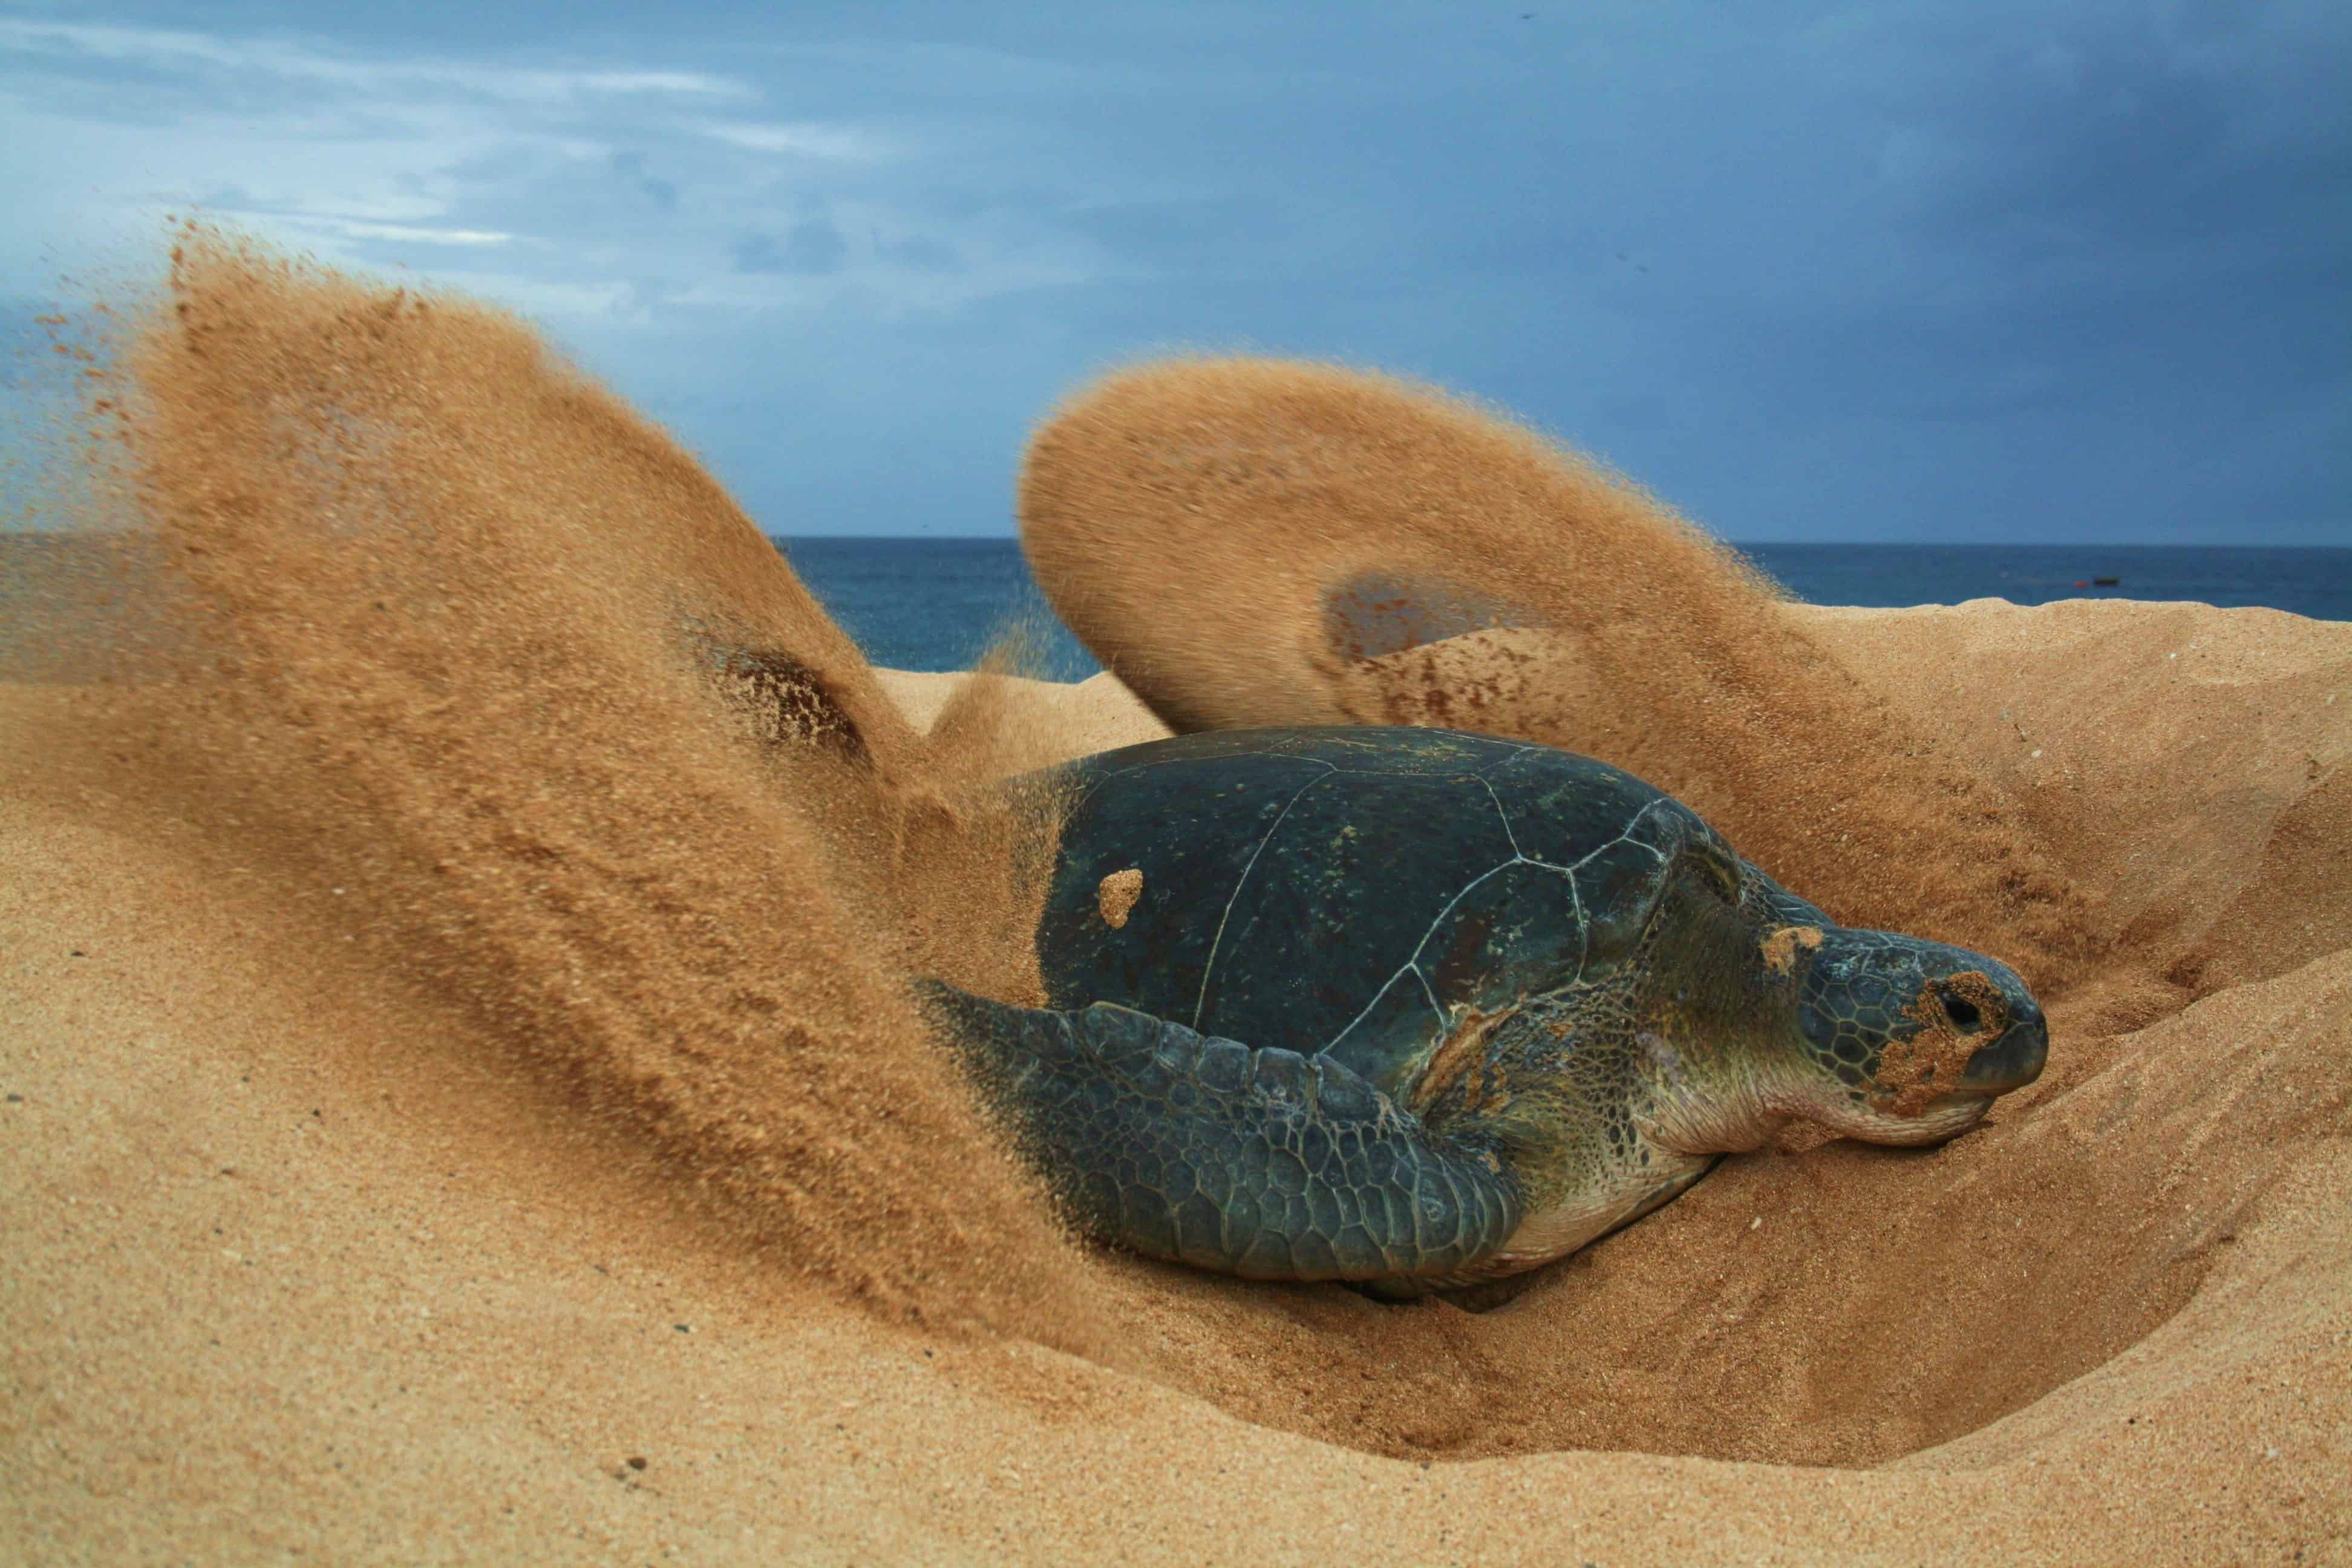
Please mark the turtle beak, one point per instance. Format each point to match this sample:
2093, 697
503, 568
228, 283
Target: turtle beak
2013, 1060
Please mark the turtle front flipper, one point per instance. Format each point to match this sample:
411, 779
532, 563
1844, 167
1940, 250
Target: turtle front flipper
1263, 1164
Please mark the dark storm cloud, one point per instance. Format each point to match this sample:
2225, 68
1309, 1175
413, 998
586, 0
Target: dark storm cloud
1990, 271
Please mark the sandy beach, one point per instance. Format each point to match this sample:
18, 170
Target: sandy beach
290, 1277
463, 1104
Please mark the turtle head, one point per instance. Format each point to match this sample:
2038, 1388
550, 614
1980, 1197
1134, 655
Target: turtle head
1759, 1009
1902, 1040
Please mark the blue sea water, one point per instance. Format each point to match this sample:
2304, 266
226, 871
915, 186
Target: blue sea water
939, 603
936, 604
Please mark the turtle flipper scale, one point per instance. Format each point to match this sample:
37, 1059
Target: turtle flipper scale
1262, 1163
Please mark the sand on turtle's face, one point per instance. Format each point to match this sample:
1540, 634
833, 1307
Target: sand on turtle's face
454, 1059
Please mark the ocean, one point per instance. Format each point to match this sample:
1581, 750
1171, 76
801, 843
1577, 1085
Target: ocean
936, 604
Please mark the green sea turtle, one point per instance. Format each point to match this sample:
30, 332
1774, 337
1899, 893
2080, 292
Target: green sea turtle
1417, 1008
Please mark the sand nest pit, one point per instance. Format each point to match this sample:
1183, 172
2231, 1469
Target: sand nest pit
514, 973
1249, 542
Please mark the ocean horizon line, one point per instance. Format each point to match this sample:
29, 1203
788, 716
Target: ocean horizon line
22, 531
1734, 543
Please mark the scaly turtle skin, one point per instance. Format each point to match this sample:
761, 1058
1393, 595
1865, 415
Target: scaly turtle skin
1417, 1008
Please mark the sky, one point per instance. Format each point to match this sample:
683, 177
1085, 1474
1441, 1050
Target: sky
1969, 270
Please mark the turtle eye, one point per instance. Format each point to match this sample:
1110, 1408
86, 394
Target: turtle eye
1962, 1012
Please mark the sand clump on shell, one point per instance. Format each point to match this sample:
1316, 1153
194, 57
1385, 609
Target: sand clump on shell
459, 1047
1116, 895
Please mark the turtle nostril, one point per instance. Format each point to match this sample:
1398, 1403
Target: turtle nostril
1963, 1013
2013, 1060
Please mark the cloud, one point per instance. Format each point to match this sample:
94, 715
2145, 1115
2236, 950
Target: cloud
413, 234
809, 249
171, 50
630, 166
805, 141
921, 253
1945, 269
375, 159
1160, 228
